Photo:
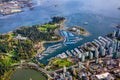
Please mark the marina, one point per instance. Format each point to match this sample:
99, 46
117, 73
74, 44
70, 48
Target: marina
49, 50
69, 38
81, 49
77, 17
59, 40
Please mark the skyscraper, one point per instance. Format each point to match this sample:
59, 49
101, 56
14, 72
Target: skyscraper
64, 69
115, 55
114, 45
118, 33
114, 33
83, 58
110, 51
86, 54
117, 44
79, 55
90, 55
96, 60
102, 51
107, 44
96, 53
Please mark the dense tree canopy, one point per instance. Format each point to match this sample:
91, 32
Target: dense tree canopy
13, 47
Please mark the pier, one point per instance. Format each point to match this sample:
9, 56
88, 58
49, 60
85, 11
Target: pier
81, 49
69, 38
49, 50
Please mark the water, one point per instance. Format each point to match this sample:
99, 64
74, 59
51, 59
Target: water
27, 74
98, 26
100, 14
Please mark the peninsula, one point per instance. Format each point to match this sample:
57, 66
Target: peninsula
14, 6
25, 43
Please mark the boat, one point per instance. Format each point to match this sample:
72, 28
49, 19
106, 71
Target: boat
30, 5
85, 23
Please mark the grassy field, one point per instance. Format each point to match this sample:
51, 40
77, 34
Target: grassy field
59, 63
42, 29
45, 27
49, 26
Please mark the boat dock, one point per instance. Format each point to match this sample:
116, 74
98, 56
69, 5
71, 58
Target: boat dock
49, 50
69, 38
82, 49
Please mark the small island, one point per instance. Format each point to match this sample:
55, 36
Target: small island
78, 30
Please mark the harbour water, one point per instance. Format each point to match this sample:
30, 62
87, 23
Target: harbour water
101, 19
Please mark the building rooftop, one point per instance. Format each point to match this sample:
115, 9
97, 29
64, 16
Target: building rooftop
102, 76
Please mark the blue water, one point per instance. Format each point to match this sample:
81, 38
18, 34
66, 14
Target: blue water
100, 14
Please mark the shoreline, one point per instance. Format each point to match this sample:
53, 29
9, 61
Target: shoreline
42, 48
9, 9
86, 33
61, 27
82, 31
45, 42
29, 68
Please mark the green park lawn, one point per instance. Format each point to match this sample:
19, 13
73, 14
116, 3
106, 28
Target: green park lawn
45, 27
59, 63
